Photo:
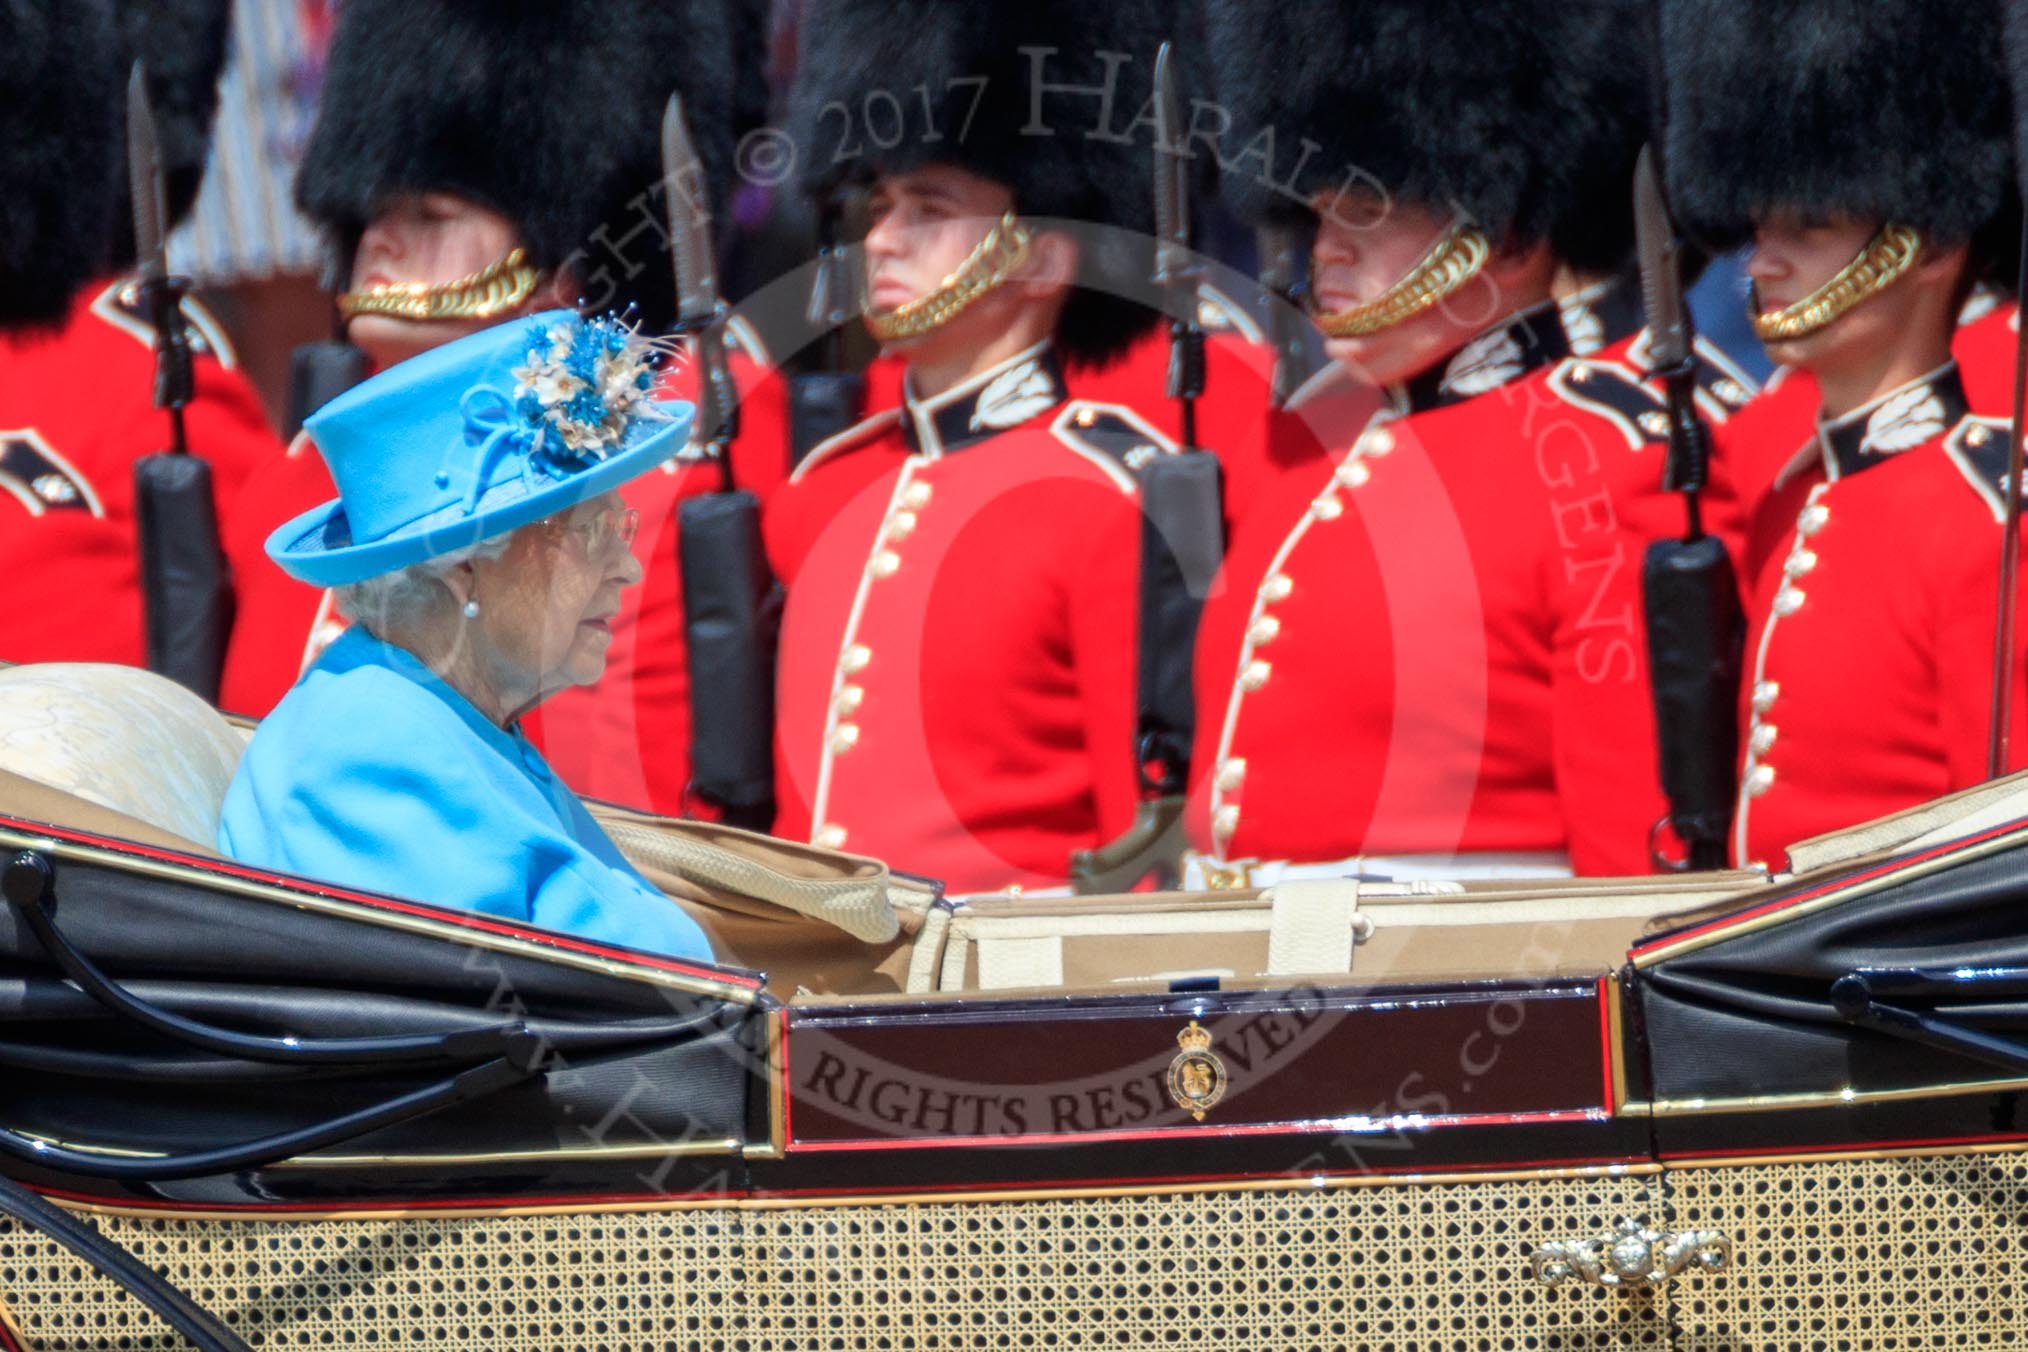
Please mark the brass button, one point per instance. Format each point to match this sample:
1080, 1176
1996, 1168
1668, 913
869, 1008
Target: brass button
901, 525
1800, 562
1376, 441
1763, 739
1224, 822
1263, 631
1760, 781
884, 564
848, 701
1278, 587
1354, 473
830, 838
916, 496
1254, 676
1765, 693
1788, 600
1813, 519
1327, 508
1231, 774
1978, 436
843, 738
855, 659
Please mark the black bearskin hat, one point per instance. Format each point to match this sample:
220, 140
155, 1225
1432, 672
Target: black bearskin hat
886, 86
547, 111
1525, 115
60, 99
182, 44
1878, 112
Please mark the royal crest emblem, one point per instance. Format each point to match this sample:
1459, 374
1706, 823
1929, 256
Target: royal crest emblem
1197, 1079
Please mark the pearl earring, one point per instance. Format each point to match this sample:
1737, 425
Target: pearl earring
471, 610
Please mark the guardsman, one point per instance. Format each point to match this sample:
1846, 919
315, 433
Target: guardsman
1427, 659
957, 658
77, 399
473, 164
1867, 160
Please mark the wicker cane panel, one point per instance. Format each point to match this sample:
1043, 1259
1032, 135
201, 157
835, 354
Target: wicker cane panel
477, 1285
1386, 1268
1394, 1268
1860, 1255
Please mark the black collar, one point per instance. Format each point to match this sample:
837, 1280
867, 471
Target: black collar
1599, 316
1523, 342
1901, 420
1022, 388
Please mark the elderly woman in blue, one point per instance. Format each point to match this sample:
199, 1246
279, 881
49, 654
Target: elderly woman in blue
480, 549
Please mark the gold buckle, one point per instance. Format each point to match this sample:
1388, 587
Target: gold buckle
1227, 877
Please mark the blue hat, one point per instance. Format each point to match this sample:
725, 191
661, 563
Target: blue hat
476, 438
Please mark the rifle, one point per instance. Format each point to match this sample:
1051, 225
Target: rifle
186, 593
1696, 630
1182, 544
825, 402
731, 605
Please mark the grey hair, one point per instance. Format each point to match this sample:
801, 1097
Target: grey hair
405, 597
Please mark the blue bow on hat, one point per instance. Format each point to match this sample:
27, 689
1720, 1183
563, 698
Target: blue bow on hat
477, 438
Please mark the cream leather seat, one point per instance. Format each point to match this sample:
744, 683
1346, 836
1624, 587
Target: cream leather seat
120, 737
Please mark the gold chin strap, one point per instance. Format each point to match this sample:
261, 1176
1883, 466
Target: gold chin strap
996, 258
1450, 263
1879, 265
486, 294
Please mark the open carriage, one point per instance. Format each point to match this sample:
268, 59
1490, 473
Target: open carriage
1708, 1112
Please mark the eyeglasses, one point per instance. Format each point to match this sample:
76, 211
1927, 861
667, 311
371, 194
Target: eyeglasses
605, 533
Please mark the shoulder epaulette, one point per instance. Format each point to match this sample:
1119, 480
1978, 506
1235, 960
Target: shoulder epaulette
1723, 386
1113, 436
1978, 446
1724, 380
742, 337
37, 474
840, 442
1612, 392
1220, 313
120, 306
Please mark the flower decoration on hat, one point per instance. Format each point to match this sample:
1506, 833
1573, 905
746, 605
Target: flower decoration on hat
583, 388
586, 382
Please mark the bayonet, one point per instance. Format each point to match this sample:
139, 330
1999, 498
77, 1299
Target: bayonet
700, 312
1176, 268
1175, 264
161, 295
144, 178
1672, 336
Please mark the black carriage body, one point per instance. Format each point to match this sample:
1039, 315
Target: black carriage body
1340, 1163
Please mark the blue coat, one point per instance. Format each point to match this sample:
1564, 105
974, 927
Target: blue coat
374, 774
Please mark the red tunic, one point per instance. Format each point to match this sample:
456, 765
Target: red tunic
956, 690
1985, 347
625, 739
1873, 572
76, 412
1429, 641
